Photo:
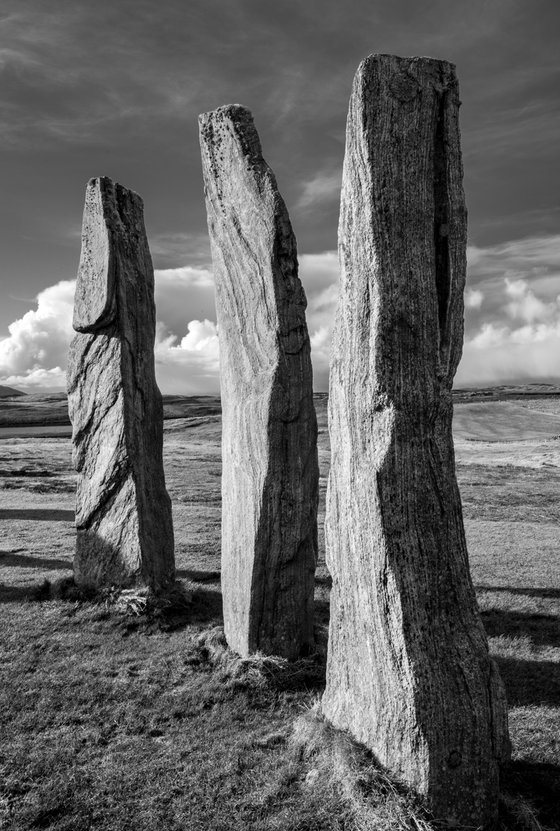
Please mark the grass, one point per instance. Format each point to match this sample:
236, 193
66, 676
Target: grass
511, 493
135, 718
504, 421
112, 723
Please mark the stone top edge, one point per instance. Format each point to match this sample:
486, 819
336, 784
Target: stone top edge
237, 112
106, 185
386, 57
238, 121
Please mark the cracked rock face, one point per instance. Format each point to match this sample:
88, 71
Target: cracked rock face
269, 450
408, 674
123, 511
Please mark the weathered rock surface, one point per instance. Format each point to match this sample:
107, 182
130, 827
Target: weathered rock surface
123, 511
270, 470
408, 673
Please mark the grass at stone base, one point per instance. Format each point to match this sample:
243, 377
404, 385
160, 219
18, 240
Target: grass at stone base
107, 722
111, 722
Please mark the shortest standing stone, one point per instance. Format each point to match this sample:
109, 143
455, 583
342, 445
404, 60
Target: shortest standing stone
123, 511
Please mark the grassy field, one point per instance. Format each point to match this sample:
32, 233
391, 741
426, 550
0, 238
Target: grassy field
112, 721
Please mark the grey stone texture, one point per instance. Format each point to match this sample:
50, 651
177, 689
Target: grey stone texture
123, 511
409, 673
270, 469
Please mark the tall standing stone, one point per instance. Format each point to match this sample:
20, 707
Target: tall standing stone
123, 511
409, 674
269, 443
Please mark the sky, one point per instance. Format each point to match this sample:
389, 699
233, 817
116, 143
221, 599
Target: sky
114, 88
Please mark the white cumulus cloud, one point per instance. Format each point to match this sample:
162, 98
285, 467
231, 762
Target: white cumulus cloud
524, 305
473, 298
34, 354
183, 294
512, 322
38, 341
499, 354
189, 366
38, 380
515, 335
319, 274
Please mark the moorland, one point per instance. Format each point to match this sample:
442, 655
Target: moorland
116, 719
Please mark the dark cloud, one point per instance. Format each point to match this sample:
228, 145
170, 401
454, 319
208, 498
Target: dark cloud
115, 88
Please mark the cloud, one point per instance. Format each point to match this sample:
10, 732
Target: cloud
534, 255
38, 342
319, 275
515, 334
473, 298
187, 354
183, 294
191, 366
512, 311
171, 248
533, 260
512, 322
48, 75
525, 306
320, 356
189, 363
187, 360
498, 355
34, 355
38, 380
323, 188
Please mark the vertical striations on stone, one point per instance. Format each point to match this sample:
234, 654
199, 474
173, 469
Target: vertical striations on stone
123, 511
408, 674
269, 447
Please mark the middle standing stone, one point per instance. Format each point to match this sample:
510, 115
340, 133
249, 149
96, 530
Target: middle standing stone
269, 441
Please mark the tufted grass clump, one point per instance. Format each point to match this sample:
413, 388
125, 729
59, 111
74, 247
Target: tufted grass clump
259, 670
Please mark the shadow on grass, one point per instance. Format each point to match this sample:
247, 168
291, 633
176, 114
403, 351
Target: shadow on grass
16, 594
206, 606
530, 682
543, 630
25, 561
41, 515
63, 588
539, 784
546, 593
198, 576
197, 605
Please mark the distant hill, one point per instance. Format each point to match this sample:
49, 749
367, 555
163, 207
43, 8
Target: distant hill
506, 391
50, 409
7, 392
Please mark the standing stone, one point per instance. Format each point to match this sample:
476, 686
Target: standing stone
269, 442
409, 674
123, 511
